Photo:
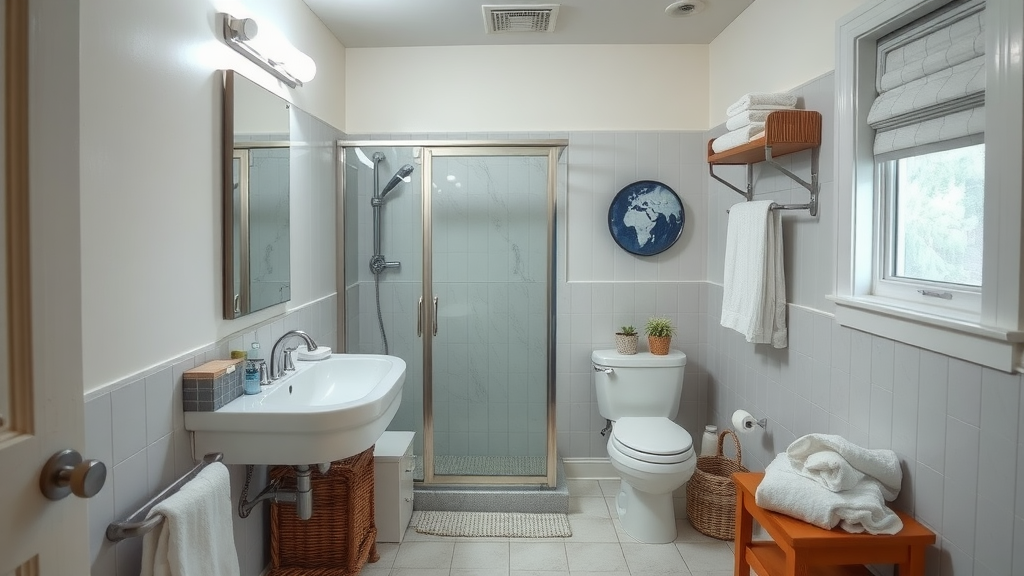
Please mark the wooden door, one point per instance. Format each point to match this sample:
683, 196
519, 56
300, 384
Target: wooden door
41, 389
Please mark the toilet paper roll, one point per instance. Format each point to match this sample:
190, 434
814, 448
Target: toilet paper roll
742, 421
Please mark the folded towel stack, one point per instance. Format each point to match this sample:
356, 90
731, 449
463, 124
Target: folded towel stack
748, 115
827, 481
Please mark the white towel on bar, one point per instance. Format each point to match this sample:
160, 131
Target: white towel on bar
747, 117
754, 294
761, 101
880, 464
858, 509
195, 536
737, 137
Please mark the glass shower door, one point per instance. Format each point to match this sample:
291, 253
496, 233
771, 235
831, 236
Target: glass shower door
488, 260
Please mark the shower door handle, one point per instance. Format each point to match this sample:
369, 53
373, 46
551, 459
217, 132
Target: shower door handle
435, 315
419, 318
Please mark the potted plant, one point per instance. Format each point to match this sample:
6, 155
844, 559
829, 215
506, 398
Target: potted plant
625, 340
659, 335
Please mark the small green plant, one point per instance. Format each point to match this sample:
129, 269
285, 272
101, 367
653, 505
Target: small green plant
628, 331
659, 327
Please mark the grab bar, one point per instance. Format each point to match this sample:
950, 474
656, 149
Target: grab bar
137, 524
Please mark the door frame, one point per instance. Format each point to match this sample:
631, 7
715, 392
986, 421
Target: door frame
543, 149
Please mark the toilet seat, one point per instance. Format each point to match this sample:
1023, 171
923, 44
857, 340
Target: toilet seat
656, 440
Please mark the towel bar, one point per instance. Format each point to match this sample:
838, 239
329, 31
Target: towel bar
137, 524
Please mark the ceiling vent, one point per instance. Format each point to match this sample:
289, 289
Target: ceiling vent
520, 18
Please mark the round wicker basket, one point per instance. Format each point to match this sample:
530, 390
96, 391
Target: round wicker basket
711, 493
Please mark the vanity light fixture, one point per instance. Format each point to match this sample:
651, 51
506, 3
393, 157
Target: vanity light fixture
268, 50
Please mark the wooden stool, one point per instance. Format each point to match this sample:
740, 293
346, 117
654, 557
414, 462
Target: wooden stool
798, 545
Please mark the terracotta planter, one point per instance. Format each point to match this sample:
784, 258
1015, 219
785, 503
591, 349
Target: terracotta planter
626, 343
659, 344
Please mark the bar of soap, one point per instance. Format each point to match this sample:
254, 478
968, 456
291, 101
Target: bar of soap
321, 352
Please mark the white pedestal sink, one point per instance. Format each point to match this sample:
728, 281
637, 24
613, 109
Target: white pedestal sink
324, 411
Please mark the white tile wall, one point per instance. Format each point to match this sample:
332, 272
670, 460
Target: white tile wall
137, 425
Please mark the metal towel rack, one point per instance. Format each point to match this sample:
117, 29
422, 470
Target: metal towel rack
137, 524
786, 132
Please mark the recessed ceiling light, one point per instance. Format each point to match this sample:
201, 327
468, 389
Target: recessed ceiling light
684, 8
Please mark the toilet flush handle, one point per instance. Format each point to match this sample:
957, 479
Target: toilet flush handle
604, 369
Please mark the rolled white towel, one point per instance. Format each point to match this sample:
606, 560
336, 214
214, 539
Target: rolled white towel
761, 101
859, 509
747, 117
880, 464
737, 137
830, 470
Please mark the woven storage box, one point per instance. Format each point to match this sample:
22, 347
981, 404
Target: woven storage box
711, 493
341, 536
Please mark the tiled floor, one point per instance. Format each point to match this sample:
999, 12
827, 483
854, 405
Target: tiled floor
598, 546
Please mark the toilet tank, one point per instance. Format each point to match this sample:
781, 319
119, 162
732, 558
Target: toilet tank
639, 384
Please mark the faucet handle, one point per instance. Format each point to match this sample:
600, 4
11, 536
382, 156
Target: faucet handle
289, 363
264, 371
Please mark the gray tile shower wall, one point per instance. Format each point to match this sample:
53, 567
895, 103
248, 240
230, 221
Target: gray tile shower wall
136, 427
955, 426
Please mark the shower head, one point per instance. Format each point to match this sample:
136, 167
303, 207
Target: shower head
402, 173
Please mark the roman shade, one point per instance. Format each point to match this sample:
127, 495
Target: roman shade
931, 83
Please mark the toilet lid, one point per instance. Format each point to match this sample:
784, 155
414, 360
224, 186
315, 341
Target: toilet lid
652, 439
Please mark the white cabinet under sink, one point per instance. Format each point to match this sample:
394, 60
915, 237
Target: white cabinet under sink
393, 464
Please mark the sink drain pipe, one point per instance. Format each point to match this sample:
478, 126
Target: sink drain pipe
301, 495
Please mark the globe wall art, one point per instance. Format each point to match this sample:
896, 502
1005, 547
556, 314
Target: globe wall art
646, 218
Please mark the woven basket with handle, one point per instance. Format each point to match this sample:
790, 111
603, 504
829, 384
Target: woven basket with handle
711, 493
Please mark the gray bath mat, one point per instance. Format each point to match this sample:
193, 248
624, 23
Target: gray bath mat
493, 524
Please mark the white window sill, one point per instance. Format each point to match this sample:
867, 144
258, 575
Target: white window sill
990, 346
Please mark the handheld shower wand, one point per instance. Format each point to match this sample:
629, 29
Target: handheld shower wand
399, 176
377, 262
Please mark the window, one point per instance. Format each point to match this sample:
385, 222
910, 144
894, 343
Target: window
932, 235
929, 195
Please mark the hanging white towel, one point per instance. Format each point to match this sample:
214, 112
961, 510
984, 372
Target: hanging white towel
737, 137
195, 537
747, 117
881, 464
754, 294
858, 509
762, 101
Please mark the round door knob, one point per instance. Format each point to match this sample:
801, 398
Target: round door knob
66, 473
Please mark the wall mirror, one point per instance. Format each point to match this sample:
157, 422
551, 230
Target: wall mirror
256, 157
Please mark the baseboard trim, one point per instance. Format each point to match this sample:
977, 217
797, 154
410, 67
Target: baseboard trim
589, 469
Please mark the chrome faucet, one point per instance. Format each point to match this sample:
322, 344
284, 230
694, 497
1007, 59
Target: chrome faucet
276, 369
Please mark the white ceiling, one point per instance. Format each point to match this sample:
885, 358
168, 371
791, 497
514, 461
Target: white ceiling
391, 23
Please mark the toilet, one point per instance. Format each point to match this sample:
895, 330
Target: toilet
653, 455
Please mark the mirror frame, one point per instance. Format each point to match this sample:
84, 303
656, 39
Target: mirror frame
227, 200
239, 303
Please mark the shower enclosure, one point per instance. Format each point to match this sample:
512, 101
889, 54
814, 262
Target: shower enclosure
465, 295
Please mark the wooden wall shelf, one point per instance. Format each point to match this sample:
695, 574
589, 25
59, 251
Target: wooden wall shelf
785, 132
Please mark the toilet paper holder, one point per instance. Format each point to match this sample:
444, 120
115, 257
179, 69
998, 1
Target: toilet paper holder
744, 422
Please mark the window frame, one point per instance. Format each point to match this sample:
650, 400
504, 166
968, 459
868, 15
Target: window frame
992, 336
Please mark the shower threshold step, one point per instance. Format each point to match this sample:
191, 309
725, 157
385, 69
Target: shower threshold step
493, 497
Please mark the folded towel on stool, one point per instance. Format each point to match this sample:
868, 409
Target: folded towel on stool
880, 464
830, 470
859, 509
